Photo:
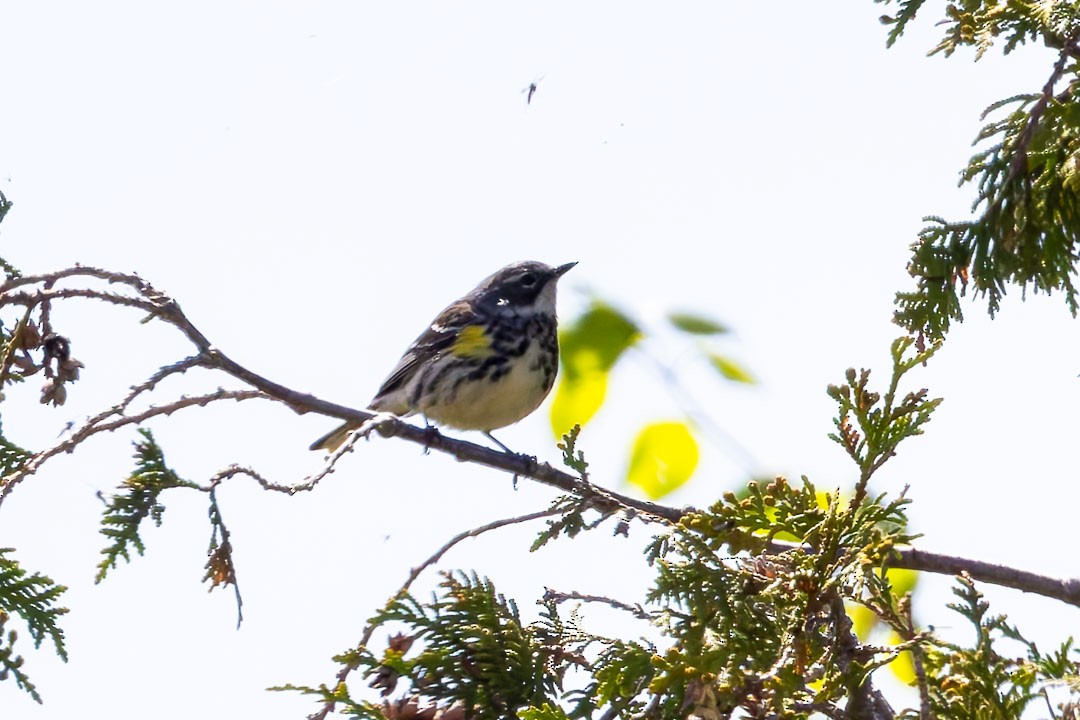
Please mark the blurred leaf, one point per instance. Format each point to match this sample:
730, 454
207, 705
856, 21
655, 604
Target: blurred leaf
577, 400
589, 348
902, 581
903, 666
696, 324
594, 341
664, 457
545, 712
731, 369
863, 620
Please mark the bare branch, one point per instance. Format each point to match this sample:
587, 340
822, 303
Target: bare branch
306, 485
31, 299
1067, 591
75, 271
560, 597
31, 466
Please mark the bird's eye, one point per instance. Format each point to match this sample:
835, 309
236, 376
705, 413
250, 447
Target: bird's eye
528, 279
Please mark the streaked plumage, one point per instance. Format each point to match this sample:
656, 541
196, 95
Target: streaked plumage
487, 361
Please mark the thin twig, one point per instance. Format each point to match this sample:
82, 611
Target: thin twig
560, 597
42, 296
31, 466
46, 309
74, 271
910, 634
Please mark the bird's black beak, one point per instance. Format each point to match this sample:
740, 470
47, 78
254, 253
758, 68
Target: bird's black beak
561, 270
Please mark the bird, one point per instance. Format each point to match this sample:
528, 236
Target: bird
486, 361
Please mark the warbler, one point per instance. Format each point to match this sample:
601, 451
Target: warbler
487, 361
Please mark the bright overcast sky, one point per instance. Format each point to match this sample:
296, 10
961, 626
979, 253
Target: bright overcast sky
314, 181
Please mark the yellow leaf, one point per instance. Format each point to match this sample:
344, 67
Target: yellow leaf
588, 348
664, 457
902, 581
903, 666
863, 620
577, 400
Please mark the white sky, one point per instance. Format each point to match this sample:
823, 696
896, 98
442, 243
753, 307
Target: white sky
306, 178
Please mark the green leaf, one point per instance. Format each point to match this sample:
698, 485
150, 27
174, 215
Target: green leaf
596, 340
664, 457
730, 369
589, 348
696, 324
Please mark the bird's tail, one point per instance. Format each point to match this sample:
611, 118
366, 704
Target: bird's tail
332, 440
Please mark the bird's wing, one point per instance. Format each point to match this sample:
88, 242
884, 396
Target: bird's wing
438, 337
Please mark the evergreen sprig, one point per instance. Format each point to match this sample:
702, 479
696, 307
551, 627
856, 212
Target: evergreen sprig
10, 663
870, 426
12, 456
5, 206
621, 678
987, 681
899, 21
569, 521
1026, 231
31, 597
135, 501
760, 629
475, 651
982, 23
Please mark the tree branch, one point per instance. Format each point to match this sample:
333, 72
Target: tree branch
1065, 590
163, 308
560, 597
34, 463
1018, 165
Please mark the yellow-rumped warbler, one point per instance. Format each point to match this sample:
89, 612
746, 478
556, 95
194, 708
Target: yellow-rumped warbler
485, 362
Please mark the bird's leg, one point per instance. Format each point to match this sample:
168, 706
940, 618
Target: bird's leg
432, 434
495, 440
530, 460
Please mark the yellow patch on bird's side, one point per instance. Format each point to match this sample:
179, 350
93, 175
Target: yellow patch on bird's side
472, 342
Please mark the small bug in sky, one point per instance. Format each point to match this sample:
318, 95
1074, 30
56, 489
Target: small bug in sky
530, 90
